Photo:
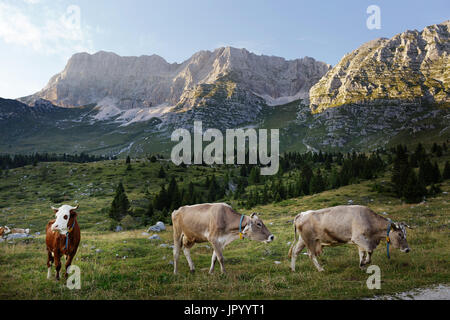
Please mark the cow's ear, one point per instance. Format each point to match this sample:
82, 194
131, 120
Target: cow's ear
407, 226
395, 226
73, 213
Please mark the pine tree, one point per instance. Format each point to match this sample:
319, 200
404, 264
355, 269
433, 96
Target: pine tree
120, 206
414, 189
255, 175
243, 170
436, 173
427, 172
446, 173
317, 183
161, 200
434, 148
174, 195
401, 170
306, 175
161, 173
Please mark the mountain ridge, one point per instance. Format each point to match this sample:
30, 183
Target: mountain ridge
410, 68
148, 81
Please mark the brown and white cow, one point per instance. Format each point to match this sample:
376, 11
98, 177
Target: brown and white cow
4, 231
344, 224
217, 223
62, 238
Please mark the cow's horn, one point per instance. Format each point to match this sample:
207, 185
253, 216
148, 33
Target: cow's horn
253, 214
55, 209
75, 208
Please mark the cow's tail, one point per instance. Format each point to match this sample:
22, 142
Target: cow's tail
295, 239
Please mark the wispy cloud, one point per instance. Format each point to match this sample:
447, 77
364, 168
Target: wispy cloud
44, 30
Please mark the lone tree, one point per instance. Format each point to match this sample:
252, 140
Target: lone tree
120, 206
128, 160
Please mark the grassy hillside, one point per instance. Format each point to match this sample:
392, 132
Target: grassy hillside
129, 266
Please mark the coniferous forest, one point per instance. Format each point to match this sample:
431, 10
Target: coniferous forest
414, 176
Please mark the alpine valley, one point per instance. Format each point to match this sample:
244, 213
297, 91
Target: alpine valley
385, 92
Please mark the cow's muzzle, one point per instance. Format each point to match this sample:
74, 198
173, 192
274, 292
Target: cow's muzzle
56, 229
270, 238
406, 250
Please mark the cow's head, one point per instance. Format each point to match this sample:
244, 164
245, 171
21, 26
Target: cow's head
256, 230
397, 235
63, 215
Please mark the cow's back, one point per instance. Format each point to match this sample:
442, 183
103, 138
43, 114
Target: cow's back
336, 224
198, 222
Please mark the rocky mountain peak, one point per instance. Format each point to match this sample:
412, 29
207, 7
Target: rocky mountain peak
412, 67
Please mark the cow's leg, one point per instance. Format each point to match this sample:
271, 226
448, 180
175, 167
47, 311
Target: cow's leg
213, 262
362, 257
187, 254
68, 263
49, 264
295, 252
365, 250
368, 257
57, 265
316, 263
177, 241
218, 250
314, 249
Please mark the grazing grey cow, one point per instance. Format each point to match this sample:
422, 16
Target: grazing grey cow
344, 224
217, 223
20, 230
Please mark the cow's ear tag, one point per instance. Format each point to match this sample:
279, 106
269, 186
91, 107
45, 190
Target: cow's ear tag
387, 239
241, 236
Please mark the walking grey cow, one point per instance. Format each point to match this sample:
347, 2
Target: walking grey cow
217, 223
344, 224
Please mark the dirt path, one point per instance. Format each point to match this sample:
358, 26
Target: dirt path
439, 292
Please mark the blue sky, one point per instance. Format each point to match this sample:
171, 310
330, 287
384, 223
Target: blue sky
38, 36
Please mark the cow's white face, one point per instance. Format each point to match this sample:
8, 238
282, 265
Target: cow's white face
62, 218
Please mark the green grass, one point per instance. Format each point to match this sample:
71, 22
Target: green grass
146, 273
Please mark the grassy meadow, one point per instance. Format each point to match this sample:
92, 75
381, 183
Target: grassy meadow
130, 266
